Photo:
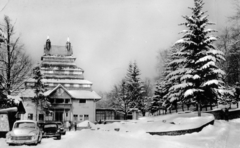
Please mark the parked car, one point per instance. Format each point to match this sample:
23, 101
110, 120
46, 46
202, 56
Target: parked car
61, 127
24, 132
51, 130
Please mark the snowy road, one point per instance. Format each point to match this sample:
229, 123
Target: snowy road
220, 135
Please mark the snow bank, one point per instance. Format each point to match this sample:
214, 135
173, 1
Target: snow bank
221, 134
85, 123
159, 124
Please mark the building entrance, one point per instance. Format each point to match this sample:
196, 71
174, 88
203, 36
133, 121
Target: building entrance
58, 116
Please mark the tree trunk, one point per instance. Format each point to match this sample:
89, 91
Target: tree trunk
237, 104
36, 103
125, 116
210, 106
143, 113
176, 107
182, 107
8, 63
199, 109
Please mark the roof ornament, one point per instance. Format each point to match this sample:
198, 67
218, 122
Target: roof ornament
68, 44
48, 43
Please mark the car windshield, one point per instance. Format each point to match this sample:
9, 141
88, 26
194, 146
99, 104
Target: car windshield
24, 125
50, 125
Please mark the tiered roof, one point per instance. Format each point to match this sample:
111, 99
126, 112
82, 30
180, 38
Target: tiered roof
59, 69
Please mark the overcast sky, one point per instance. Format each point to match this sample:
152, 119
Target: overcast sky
107, 35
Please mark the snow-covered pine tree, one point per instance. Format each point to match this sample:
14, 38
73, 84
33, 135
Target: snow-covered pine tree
200, 77
158, 98
171, 66
135, 88
40, 100
120, 100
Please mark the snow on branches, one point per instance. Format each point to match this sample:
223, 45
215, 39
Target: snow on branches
196, 75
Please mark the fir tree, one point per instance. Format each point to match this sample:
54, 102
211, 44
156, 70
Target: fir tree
40, 100
158, 98
120, 100
162, 93
198, 77
135, 88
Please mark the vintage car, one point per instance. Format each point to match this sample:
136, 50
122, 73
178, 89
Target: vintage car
24, 132
51, 129
61, 127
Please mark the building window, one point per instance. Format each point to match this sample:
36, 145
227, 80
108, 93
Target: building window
59, 100
82, 101
76, 85
51, 101
41, 117
75, 117
67, 101
86, 117
67, 85
30, 116
80, 117
50, 84
85, 85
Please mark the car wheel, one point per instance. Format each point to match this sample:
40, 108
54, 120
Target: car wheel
59, 137
39, 140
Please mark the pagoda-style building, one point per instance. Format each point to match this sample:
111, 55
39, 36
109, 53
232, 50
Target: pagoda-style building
71, 96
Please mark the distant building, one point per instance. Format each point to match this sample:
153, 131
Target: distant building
111, 114
71, 96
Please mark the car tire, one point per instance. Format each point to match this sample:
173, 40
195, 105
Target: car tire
59, 137
39, 140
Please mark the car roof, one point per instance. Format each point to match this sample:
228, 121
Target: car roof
50, 123
26, 121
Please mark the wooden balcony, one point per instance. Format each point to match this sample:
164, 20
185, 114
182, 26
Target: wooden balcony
61, 106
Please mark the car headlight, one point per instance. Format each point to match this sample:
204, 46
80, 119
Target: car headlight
34, 135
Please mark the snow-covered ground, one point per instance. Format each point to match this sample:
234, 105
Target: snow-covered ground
133, 134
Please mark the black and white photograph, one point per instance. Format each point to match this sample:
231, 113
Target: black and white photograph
120, 73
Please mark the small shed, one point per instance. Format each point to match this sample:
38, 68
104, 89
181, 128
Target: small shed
8, 116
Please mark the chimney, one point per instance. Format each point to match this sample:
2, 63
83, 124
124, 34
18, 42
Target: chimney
48, 43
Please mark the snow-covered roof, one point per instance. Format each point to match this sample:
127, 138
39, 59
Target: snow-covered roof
6, 110
27, 93
16, 99
49, 92
84, 94
76, 94
55, 56
58, 63
58, 51
68, 81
